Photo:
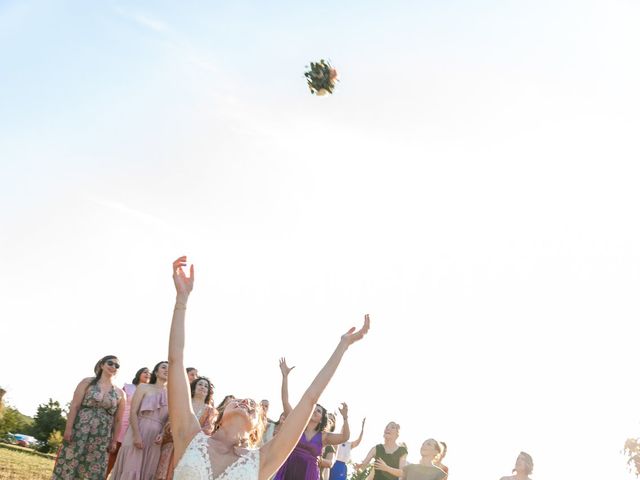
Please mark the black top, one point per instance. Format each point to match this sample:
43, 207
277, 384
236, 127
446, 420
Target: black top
391, 459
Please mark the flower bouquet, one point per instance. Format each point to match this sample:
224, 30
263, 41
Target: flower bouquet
360, 474
321, 78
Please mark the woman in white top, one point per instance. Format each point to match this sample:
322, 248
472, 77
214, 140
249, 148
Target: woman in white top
343, 456
224, 456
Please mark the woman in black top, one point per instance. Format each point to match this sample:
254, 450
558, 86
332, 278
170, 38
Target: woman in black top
390, 457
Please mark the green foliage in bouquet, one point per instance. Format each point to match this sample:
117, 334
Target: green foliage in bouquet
321, 77
362, 474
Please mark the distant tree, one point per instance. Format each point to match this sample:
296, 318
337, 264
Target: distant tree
13, 421
2, 393
632, 451
48, 418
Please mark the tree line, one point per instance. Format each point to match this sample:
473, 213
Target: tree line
46, 425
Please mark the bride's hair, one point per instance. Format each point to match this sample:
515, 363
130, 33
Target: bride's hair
255, 434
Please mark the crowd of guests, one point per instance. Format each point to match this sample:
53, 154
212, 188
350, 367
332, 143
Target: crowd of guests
154, 428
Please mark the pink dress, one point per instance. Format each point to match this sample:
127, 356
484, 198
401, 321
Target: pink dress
129, 389
140, 464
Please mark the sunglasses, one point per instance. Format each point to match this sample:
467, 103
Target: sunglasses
111, 363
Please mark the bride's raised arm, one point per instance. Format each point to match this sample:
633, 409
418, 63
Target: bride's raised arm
184, 424
275, 452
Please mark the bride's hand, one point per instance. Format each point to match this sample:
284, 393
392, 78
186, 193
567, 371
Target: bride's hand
183, 284
352, 336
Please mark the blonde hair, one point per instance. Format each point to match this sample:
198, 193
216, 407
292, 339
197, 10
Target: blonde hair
255, 434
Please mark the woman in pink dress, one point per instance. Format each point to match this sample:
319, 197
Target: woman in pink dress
140, 451
143, 375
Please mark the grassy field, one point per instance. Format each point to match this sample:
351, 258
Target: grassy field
24, 466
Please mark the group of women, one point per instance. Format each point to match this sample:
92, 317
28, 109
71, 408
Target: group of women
126, 433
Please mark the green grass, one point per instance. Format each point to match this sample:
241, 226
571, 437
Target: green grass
15, 465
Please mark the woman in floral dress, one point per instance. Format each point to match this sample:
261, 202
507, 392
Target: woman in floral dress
94, 418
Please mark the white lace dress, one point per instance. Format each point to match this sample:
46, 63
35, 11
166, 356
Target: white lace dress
196, 465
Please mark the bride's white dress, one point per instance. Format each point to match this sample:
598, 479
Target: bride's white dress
196, 465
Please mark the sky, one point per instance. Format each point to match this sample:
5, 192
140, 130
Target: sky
471, 184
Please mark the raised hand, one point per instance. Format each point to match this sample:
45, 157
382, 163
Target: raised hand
183, 284
284, 368
344, 410
353, 336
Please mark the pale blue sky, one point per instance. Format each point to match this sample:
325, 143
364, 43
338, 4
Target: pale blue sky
472, 184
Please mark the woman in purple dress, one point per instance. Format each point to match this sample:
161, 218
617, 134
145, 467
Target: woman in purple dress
302, 464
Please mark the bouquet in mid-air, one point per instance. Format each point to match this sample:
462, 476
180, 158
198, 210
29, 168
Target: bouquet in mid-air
321, 78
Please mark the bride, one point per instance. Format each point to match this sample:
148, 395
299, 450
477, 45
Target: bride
224, 455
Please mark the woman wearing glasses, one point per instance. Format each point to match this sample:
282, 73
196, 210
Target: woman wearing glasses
140, 451
240, 425
93, 421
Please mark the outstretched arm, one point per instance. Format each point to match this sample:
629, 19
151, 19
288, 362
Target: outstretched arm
357, 441
284, 389
184, 424
274, 453
343, 436
367, 460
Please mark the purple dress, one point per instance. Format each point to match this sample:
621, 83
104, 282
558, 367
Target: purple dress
302, 464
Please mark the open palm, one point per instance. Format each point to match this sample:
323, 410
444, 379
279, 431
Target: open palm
353, 336
183, 283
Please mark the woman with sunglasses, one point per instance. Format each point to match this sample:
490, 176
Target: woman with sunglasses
140, 452
240, 425
93, 421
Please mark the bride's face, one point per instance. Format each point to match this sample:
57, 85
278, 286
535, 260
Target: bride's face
244, 407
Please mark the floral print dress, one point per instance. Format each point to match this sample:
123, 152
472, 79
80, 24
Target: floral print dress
87, 454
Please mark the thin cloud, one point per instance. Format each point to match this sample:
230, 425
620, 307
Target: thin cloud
121, 207
144, 20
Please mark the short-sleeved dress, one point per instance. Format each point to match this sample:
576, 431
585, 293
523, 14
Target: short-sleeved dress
302, 464
140, 464
423, 472
87, 454
391, 459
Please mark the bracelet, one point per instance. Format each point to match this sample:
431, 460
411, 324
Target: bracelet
180, 306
